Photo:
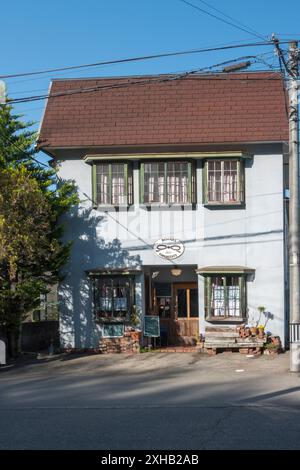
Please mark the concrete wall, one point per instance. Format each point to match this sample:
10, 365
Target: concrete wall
251, 236
38, 336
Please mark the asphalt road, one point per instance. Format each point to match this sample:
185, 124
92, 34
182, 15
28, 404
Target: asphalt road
150, 401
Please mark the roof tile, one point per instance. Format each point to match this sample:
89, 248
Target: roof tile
248, 107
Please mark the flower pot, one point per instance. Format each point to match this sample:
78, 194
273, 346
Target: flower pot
135, 335
254, 330
261, 333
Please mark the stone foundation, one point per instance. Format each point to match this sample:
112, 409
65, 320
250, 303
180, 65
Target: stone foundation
128, 343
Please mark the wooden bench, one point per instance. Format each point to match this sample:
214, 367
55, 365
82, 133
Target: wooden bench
228, 339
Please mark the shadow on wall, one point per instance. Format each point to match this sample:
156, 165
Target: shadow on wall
89, 251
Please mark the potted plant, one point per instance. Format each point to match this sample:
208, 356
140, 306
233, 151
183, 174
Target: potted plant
134, 323
261, 331
261, 310
272, 349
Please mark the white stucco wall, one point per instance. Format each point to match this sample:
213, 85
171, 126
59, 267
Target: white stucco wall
251, 236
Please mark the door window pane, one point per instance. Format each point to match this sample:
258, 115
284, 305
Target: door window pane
193, 303
181, 303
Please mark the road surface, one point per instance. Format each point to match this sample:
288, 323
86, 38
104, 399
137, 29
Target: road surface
150, 401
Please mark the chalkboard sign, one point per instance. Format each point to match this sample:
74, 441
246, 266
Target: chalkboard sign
151, 326
163, 289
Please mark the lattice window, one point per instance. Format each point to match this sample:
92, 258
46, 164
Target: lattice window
113, 297
225, 296
112, 183
169, 182
224, 182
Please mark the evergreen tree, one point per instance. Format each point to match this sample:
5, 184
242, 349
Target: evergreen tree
32, 200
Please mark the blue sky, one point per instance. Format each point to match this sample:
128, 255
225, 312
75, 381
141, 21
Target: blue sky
44, 34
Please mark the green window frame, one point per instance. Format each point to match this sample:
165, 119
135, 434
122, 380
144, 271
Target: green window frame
112, 183
223, 182
225, 296
170, 182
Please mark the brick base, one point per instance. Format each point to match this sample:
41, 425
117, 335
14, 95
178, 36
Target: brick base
129, 343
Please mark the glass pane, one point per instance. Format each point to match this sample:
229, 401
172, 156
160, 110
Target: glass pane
218, 296
214, 181
164, 307
181, 303
103, 185
233, 296
178, 182
112, 297
230, 181
154, 183
118, 184
223, 181
193, 303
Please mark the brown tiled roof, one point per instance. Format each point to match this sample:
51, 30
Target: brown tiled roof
246, 107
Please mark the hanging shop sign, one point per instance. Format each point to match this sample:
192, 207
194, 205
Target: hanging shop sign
168, 248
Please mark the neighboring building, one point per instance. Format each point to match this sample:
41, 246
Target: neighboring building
182, 211
47, 309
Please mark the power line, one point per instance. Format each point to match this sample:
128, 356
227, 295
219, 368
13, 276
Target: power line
207, 76
165, 78
258, 57
259, 36
231, 18
141, 58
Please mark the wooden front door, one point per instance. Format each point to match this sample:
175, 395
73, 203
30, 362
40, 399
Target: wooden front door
177, 306
186, 311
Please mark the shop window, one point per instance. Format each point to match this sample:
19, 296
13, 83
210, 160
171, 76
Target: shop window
225, 296
113, 298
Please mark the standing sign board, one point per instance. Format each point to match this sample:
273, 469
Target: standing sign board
151, 326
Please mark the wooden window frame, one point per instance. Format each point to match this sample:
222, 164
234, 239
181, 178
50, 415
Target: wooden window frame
191, 183
188, 286
240, 182
242, 299
128, 173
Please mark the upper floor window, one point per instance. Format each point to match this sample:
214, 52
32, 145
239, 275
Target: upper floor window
112, 183
223, 182
170, 182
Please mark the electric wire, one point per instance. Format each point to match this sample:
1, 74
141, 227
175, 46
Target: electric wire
259, 36
231, 18
142, 58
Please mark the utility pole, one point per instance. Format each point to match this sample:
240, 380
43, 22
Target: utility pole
294, 260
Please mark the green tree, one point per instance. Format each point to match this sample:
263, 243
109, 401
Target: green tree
32, 200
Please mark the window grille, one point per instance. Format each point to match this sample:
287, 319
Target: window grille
225, 296
113, 297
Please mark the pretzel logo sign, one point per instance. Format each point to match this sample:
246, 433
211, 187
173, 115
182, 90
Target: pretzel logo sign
168, 248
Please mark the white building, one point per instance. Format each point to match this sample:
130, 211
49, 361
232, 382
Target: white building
182, 211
